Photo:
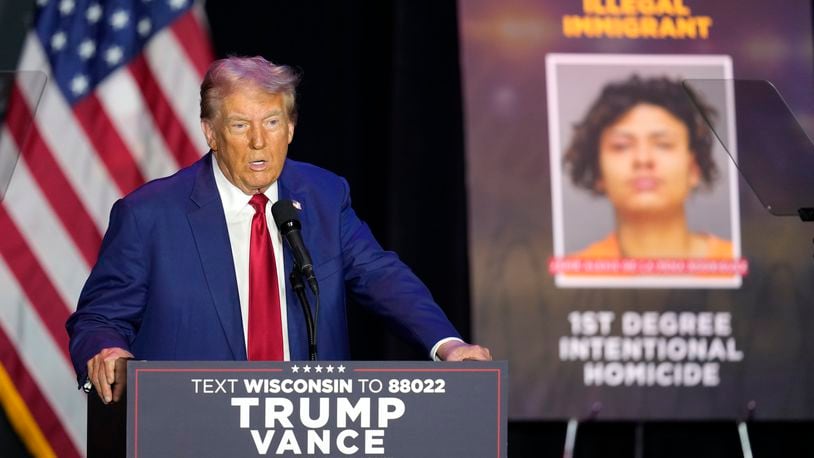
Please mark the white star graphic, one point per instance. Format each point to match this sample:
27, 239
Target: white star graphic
330, 368
58, 41
306, 368
340, 369
79, 84
295, 368
113, 55
87, 49
318, 368
66, 7
94, 13
177, 4
119, 19
144, 26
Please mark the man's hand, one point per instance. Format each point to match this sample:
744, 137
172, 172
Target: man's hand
108, 374
456, 350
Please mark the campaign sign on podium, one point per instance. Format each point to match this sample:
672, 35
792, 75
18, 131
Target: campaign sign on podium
389, 409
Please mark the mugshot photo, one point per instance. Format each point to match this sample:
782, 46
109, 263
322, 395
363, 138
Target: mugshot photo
644, 195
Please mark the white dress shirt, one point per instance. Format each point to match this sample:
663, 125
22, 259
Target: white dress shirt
239, 216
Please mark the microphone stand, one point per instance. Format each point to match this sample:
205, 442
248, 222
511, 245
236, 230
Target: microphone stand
299, 289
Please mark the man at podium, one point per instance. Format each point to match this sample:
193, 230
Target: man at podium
193, 266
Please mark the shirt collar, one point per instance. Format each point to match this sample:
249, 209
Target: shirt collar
233, 199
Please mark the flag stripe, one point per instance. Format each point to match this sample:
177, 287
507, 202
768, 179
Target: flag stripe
33, 280
39, 407
64, 200
29, 209
173, 70
42, 357
108, 144
171, 128
126, 107
190, 33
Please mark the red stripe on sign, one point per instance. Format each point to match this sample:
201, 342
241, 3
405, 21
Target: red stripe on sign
175, 136
34, 281
37, 404
190, 34
108, 143
64, 201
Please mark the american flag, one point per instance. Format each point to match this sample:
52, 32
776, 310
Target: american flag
120, 107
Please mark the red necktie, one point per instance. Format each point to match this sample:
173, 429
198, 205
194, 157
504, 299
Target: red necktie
265, 329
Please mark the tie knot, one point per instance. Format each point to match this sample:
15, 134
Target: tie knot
258, 201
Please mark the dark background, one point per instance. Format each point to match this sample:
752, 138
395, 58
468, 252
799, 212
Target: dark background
380, 103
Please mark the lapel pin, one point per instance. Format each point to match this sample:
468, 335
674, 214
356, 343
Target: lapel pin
296, 204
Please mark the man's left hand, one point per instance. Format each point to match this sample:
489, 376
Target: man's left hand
461, 351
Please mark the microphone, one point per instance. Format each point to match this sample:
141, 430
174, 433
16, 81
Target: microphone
285, 217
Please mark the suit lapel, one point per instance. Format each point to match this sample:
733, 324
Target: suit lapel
206, 218
288, 189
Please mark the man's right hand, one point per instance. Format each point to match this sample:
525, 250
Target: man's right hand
107, 373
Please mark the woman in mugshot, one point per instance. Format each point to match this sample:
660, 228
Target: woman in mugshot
645, 146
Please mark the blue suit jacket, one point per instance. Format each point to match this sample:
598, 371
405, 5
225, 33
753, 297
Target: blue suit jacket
164, 285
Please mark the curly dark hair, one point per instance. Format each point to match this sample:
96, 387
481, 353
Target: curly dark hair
616, 99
